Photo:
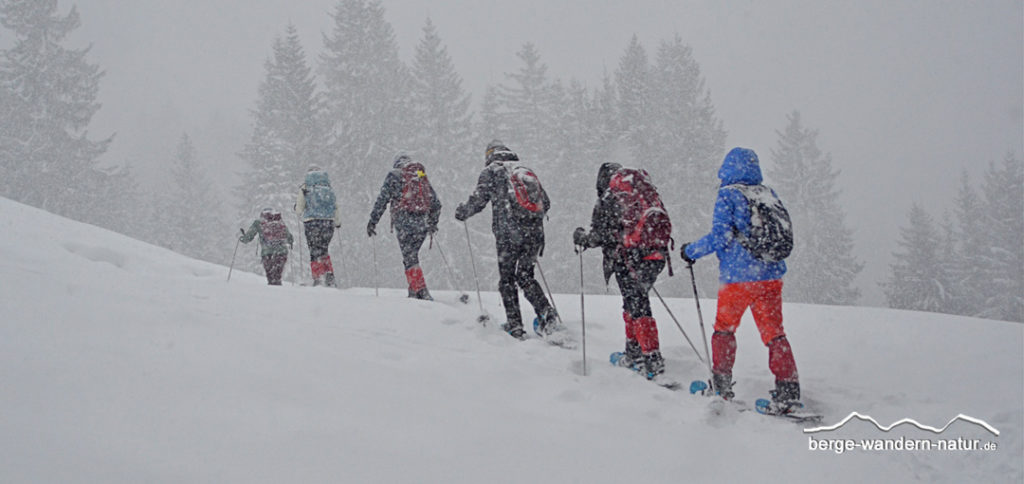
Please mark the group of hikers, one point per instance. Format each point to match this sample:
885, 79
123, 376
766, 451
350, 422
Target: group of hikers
630, 225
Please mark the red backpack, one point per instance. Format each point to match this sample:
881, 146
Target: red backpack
645, 222
273, 231
416, 192
526, 195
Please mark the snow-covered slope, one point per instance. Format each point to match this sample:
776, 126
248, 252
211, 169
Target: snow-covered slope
123, 362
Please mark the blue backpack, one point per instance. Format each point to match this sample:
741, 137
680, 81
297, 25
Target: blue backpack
320, 200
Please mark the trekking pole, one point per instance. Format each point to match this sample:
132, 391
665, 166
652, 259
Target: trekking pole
463, 298
583, 316
376, 287
656, 293
696, 299
233, 254
341, 255
302, 256
484, 317
551, 297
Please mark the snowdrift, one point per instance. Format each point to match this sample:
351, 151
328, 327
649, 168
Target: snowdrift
124, 362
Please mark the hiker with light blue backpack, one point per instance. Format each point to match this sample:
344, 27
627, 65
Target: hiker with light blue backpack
318, 208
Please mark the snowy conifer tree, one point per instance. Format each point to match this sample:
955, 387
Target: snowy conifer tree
529, 108
633, 81
443, 117
191, 216
917, 281
822, 267
49, 97
967, 262
688, 139
289, 135
368, 100
1003, 252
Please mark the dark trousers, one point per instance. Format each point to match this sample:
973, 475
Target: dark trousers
515, 268
273, 265
410, 241
318, 235
636, 277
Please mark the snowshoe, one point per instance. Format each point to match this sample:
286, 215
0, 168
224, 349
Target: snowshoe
516, 331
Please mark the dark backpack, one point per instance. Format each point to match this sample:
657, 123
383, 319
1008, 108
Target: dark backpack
770, 237
273, 233
416, 191
645, 222
525, 193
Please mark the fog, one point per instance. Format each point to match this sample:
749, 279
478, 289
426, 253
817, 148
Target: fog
905, 95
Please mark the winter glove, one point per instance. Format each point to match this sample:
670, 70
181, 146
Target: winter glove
432, 230
682, 254
460, 212
371, 229
579, 237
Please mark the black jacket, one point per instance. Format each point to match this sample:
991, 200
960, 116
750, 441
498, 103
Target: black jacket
606, 223
401, 220
493, 186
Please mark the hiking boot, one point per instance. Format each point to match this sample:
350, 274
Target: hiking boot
632, 358
786, 393
546, 323
514, 330
424, 294
722, 384
329, 279
633, 351
654, 364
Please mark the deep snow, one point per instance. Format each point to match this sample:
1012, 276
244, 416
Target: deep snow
123, 362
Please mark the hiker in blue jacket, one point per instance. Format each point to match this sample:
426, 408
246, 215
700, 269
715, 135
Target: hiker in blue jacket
746, 281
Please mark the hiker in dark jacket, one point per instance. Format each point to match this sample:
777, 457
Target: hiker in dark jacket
519, 240
746, 281
635, 271
275, 241
415, 210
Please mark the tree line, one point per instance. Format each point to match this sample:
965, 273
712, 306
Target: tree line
352, 107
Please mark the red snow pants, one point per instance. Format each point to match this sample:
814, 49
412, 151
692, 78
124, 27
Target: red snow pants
764, 298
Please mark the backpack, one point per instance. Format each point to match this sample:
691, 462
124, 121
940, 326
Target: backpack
525, 193
416, 191
645, 222
770, 236
273, 233
320, 199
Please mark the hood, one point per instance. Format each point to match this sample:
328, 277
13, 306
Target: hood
269, 215
604, 175
501, 155
740, 166
400, 160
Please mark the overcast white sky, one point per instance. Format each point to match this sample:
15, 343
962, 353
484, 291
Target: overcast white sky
905, 94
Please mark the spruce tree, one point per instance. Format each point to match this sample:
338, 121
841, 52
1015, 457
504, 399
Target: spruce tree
193, 224
633, 82
48, 94
1003, 250
367, 91
688, 138
967, 262
916, 281
289, 135
822, 267
529, 105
